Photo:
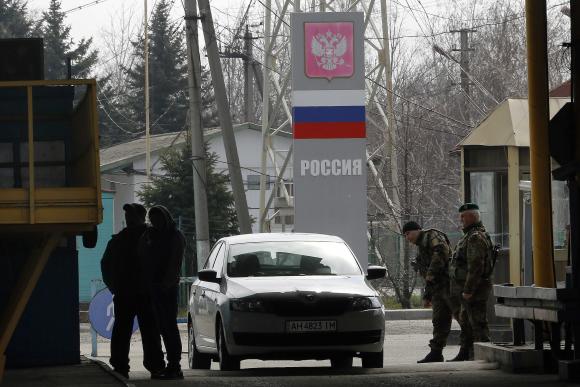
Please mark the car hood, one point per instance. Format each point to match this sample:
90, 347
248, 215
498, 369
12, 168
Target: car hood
339, 285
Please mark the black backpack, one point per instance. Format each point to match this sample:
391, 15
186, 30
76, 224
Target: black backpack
492, 255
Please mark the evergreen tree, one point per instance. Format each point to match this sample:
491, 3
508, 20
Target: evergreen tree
167, 74
14, 20
174, 190
115, 125
58, 45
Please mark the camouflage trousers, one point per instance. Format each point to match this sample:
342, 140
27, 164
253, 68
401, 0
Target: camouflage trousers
442, 315
472, 314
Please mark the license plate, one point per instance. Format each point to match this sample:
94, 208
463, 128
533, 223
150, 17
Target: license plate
310, 326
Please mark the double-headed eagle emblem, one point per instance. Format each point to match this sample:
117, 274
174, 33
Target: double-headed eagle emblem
329, 49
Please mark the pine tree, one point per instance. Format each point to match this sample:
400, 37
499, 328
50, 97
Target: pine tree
58, 45
167, 74
14, 19
174, 190
115, 125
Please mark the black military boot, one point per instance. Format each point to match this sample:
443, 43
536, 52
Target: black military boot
435, 356
463, 355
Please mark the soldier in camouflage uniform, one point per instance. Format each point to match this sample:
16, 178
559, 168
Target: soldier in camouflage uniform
432, 264
470, 283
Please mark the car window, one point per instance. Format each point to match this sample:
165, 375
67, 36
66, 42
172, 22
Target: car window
295, 258
211, 259
219, 261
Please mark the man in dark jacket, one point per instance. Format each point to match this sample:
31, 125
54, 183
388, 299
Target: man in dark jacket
120, 267
162, 247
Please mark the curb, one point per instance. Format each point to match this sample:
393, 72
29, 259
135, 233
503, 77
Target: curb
408, 314
105, 367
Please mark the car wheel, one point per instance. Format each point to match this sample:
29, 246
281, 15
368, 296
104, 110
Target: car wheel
227, 362
197, 360
343, 362
372, 360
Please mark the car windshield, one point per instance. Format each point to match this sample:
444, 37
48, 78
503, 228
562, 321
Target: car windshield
295, 258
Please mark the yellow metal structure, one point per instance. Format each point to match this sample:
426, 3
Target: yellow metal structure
542, 239
75, 207
46, 211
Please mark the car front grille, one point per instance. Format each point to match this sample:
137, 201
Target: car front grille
307, 339
303, 308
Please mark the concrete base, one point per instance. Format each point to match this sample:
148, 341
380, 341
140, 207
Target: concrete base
501, 334
569, 370
511, 359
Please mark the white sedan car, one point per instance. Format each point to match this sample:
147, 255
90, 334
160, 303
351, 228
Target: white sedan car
285, 296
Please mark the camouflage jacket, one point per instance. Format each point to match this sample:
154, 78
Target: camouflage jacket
433, 261
471, 258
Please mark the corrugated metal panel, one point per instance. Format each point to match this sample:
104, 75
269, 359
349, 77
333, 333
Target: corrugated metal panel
90, 259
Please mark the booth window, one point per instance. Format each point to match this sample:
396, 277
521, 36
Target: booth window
489, 191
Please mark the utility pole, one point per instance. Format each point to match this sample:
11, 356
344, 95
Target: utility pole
390, 132
248, 77
197, 142
265, 111
225, 118
249, 73
146, 90
464, 57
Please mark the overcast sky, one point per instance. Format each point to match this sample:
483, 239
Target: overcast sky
90, 21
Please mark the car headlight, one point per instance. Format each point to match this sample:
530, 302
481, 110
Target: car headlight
247, 305
366, 303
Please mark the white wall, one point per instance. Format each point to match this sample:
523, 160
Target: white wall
249, 143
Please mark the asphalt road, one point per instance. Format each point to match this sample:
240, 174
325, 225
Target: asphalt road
442, 374
406, 342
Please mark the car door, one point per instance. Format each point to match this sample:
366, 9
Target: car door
213, 295
203, 328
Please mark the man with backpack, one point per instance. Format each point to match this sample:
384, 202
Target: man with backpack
121, 270
470, 273
432, 265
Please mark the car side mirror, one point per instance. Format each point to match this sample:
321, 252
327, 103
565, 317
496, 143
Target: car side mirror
208, 275
376, 272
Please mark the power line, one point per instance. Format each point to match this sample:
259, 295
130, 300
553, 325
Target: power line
421, 119
87, 5
274, 13
419, 105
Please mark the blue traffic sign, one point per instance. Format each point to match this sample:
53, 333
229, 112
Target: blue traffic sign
102, 314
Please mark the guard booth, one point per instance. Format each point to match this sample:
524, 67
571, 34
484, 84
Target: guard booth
495, 171
49, 193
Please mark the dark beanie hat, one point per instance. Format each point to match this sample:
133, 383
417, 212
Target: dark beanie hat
136, 209
411, 226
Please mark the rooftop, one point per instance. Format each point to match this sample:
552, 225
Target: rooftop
121, 154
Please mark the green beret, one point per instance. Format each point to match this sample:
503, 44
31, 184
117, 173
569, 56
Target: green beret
468, 207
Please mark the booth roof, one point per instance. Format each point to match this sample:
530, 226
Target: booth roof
508, 124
